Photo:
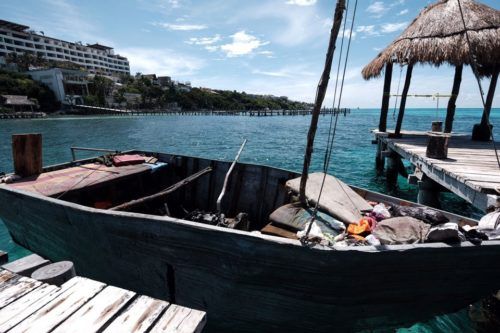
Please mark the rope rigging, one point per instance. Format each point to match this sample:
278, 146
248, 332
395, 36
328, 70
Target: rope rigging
473, 65
332, 129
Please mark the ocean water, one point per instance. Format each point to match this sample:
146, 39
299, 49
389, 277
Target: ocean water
276, 141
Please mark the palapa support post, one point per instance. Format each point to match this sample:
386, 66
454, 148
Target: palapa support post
27, 154
320, 96
402, 106
482, 131
382, 124
450, 111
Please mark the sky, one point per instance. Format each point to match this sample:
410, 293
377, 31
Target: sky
273, 47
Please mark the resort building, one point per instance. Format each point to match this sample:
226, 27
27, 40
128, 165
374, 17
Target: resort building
68, 85
95, 58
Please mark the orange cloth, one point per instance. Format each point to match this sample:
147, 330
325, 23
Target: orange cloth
365, 226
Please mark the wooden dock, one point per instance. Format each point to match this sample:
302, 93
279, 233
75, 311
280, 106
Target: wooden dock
96, 110
84, 305
470, 171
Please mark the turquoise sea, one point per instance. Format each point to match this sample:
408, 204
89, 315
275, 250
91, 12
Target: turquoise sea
276, 141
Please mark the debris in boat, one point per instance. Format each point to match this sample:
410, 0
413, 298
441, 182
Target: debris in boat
372, 240
9, 179
380, 212
401, 230
363, 227
490, 225
240, 222
473, 235
127, 159
337, 199
446, 233
425, 214
295, 217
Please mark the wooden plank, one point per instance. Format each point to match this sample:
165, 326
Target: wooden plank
27, 265
180, 319
21, 287
138, 317
4, 257
5, 276
95, 313
277, 231
27, 154
23, 307
59, 309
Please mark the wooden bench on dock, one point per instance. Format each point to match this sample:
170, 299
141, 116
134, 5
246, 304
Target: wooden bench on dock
84, 305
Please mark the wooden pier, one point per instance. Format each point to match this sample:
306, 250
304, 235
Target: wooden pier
84, 305
470, 170
95, 110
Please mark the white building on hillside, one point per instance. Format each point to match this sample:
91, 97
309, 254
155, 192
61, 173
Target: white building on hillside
68, 85
94, 58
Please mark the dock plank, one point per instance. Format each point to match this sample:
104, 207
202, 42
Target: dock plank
180, 319
138, 317
25, 306
60, 308
22, 286
5, 276
27, 265
95, 313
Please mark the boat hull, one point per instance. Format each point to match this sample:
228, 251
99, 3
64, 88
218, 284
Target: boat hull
252, 282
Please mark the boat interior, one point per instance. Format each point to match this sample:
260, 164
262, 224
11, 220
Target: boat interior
182, 187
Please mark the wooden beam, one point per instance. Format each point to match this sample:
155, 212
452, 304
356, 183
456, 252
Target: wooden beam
402, 106
450, 112
489, 99
320, 96
27, 154
382, 124
163, 193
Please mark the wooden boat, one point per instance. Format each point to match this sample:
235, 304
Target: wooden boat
246, 281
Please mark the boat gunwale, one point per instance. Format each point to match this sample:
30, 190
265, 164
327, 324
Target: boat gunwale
274, 239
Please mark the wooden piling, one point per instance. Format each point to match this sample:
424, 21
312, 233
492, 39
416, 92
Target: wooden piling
402, 106
27, 154
450, 111
382, 124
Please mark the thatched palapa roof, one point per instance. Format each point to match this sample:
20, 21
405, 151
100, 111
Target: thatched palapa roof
437, 36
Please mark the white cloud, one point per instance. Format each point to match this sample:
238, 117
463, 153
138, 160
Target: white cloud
268, 54
174, 3
242, 44
368, 30
403, 12
393, 27
161, 61
181, 27
204, 40
377, 9
347, 33
301, 2
288, 71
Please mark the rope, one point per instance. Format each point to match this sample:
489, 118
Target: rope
332, 136
474, 70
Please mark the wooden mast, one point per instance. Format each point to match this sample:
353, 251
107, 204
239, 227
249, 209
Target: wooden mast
320, 96
382, 124
450, 112
402, 106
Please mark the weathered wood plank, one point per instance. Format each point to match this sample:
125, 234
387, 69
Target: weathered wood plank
138, 317
5, 276
95, 313
180, 319
26, 265
19, 288
59, 309
23, 307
